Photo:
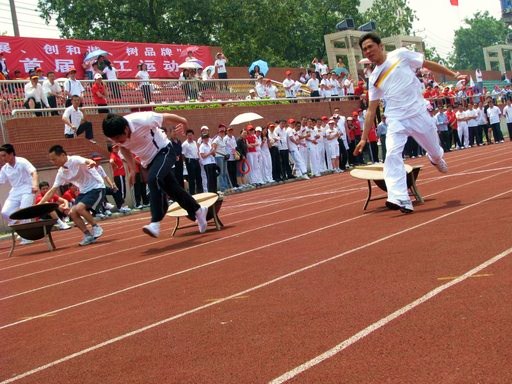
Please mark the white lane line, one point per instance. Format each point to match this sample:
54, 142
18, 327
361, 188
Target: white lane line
132, 219
217, 240
385, 320
264, 285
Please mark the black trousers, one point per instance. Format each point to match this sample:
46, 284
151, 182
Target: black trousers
120, 182
343, 155
52, 102
286, 170
139, 189
117, 195
163, 183
276, 164
232, 164
195, 182
211, 177
446, 140
84, 127
146, 91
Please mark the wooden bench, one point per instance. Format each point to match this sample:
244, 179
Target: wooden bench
212, 201
375, 173
35, 229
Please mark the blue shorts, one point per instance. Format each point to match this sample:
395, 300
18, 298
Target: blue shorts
91, 199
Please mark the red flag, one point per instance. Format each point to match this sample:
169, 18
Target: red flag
454, 2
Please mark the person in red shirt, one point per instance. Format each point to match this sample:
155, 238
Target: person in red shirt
452, 124
71, 193
119, 172
63, 205
360, 89
99, 93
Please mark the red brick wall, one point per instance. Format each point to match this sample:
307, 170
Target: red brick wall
32, 137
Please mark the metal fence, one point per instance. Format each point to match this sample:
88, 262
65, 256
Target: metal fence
138, 92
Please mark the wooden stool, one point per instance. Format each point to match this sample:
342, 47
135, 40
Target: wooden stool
35, 229
375, 173
208, 200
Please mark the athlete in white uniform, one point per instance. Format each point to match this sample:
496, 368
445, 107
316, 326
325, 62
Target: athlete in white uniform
394, 80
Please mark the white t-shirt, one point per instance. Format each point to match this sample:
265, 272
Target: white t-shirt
54, 88
395, 82
190, 150
111, 73
73, 115
507, 112
494, 115
19, 176
290, 132
77, 172
461, 115
261, 90
73, 87
203, 149
313, 84
478, 75
220, 65
282, 143
147, 137
230, 144
143, 75
289, 87
101, 172
473, 114
220, 149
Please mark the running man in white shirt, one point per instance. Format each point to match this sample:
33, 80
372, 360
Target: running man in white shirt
79, 171
394, 80
140, 133
22, 176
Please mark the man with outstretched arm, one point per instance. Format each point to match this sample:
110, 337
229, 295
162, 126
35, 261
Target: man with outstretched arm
141, 134
394, 81
79, 171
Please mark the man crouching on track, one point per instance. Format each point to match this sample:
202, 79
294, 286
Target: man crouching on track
79, 171
141, 134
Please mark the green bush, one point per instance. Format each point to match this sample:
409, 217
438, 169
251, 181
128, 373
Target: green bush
192, 105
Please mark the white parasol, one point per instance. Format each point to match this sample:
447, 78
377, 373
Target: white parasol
245, 118
190, 65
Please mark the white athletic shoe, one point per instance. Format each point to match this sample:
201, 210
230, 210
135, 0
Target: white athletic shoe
201, 219
124, 209
152, 229
97, 231
404, 206
25, 241
63, 226
88, 239
109, 206
441, 165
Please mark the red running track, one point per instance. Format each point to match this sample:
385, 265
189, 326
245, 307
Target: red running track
300, 286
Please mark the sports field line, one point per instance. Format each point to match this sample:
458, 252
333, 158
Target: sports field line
278, 279
213, 262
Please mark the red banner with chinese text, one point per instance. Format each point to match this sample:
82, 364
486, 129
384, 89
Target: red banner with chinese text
59, 55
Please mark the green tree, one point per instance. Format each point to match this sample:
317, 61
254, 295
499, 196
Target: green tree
482, 31
393, 17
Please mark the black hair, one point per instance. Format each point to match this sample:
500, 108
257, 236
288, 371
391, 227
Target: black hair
108, 64
50, 73
43, 184
57, 149
189, 131
205, 136
370, 35
114, 125
109, 147
8, 148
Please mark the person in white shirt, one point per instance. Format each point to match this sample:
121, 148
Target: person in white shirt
332, 135
507, 112
260, 88
462, 126
190, 151
479, 79
273, 142
394, 80
34, 95
270, 89
266, 158
113, 84
221, 157
23, 178
207, 153
220, 65
325, 84
293, 148
72, 87
313, 151
341, 125
472, 115
284, 154
145, 85
289, 85
482, 125
81, 172
141, 134
74, 122
314, 86
230, 143
52, 91
494, 113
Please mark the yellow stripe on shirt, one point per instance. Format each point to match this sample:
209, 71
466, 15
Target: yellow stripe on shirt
385, 74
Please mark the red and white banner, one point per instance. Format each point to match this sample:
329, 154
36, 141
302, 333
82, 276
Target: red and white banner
59, 55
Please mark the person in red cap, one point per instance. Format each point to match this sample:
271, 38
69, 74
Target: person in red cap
72, 87
394, 80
